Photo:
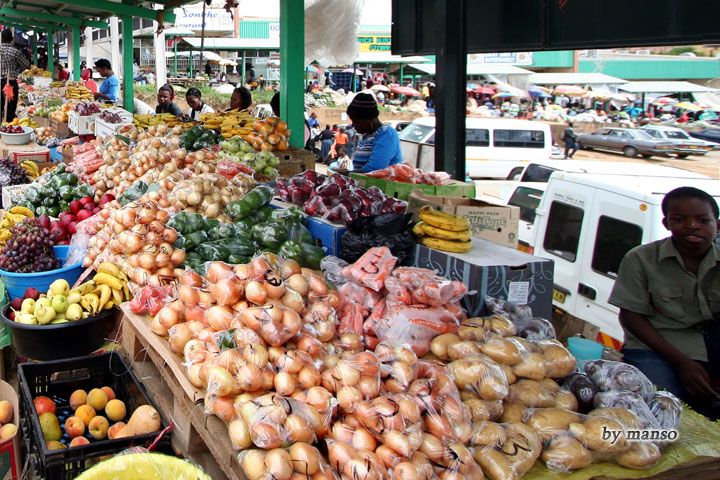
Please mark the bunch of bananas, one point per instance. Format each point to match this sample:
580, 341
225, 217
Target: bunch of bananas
442, 231
106, 290
229, 123
22, 122
56, 84
76, 91
144, 121
31, 168
11, 217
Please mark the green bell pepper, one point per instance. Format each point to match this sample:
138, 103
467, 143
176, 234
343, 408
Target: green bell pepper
223, 230
289, 215
195, 222
41, 210
291, 250
212, 252
32, 194
179, 222
195, 239
238, 259
238, 209
210, 223
49, 201
66, 192
300, 233
53, 211
136, 191
270, 235
85, 190
312, 256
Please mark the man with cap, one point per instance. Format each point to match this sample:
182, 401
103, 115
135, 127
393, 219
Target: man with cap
379, 146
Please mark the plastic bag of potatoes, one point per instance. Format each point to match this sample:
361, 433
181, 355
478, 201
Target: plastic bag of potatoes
301, 461
505, 451
573, 441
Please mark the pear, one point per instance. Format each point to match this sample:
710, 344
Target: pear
60, 287
25, 318
74, 297
44, 315
28, 306
42, 302
59, 320
74, 312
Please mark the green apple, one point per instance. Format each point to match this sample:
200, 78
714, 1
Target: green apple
60, 287
44, 315
28, 306
74, 312
43, 302
25, 318
74, 297
59, 303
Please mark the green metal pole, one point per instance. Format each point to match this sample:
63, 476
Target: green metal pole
175, 45
50, 53
292, 62
34, 48
402, 73
190, 57
76, 52
352, 85
127, 46
242, 69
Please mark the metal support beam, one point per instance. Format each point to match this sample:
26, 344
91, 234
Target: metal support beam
242, 70
34, 48
292, 60
451, 61
76, 52
128, 80
51, 50
62, 20
123, 9
31, 23
89, 48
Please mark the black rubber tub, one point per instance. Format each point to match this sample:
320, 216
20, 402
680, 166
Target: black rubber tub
63, 340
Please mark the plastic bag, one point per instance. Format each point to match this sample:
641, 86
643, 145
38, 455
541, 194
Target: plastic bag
301, 460
354, 378
420, 286
480, 375
352, 463
667, 409
583, 388
392, 231
507, 450
630, 401
372, 268
535, 329
609, 375
331, 267
76, 251
295, 370
150, 300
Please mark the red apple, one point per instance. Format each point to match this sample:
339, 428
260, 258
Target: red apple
44, 404
108, 197
75, 206
96, 210
83, 214
85, 200
32, 292
72, 228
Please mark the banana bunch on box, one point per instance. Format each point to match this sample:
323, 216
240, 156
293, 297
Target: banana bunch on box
27, 122
31, 169
106, 290
442, 231
229, 123
78, 92
11, 217
55, 84
144, 121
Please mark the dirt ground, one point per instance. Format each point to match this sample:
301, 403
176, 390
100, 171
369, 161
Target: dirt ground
708, 164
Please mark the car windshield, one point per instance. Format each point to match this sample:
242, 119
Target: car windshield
642, 135
415, 132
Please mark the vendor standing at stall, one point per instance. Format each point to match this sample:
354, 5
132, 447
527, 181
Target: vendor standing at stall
13, 63
165, 97
379, 146
241, 99
668, 292
110, 87
193, 97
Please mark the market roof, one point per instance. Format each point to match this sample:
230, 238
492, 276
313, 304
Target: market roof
574, 79
664, 87
387, 57
236, 43
478, 69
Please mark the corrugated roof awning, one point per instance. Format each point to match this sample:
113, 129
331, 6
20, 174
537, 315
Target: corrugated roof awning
236, 43
664, 87
574, 79
478, 69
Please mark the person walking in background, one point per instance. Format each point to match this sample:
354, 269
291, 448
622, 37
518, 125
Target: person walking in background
570, 140
42, 59
13, 62
326, 138
313, 121
61, 74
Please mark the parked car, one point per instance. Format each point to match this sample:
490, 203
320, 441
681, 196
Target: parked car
398, 125
685, 145
630, 142
709, 135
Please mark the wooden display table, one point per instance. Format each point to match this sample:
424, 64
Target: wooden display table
199, 437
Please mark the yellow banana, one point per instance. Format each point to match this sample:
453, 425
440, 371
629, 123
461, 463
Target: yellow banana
105, 296
443, 234
18, 210
443, 220
117, 296
85, 288
107, 279
109, 268
418, 230
90, 302
445, 245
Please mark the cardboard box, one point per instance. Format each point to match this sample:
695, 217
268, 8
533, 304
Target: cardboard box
10, 450
61, 129
328, 233
295, 160
402, 190
497, 223
41, 121
496, 271
29, 151
67, 153
82, 124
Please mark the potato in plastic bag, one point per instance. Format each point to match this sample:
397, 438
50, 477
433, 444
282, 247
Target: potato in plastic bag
480, 375
609, 375
505, 451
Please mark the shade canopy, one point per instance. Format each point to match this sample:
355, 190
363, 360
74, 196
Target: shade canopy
409, 91
665, 87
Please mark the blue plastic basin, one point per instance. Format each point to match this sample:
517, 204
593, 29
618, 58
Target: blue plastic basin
17, 283
584, 350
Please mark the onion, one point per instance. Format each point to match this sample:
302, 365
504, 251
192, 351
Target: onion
253, 464
221, 382
311, 345
177, 256
226, 291
217, 271
298, 429
293, 300
339, 454
249, 377
169, 235
308, 377
369, 387
348, 398
190, 277
388, 456
305, 458
180, 334
219, 317
266, 435
284, 383
194, 351
147, 261
298, 283
230, 359
167, 317
255, 292
157, 327
318, 398
363, 440
205, 298
365, 361
188, 294
347, 373
342, 432
256, 355
239, 435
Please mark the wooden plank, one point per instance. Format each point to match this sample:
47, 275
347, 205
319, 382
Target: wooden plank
700, 468
141, 327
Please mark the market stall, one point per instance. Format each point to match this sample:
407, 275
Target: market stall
298, 325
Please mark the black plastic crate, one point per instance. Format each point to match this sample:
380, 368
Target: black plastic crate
57, 380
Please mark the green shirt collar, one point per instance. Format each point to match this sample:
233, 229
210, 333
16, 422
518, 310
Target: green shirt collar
668, 250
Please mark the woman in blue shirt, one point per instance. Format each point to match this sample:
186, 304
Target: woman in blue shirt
379, 147
110, 86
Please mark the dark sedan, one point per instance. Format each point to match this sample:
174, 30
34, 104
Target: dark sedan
630, 142
709, 135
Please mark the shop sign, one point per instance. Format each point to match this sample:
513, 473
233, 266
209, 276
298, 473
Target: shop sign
375, 43
216, 19
505, 58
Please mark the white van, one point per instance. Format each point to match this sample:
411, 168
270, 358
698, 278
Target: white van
586, 223
494, 147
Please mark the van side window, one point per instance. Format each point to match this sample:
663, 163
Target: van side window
477, 137
528, 200
614, 239
519, 138
537, 173
562, 236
